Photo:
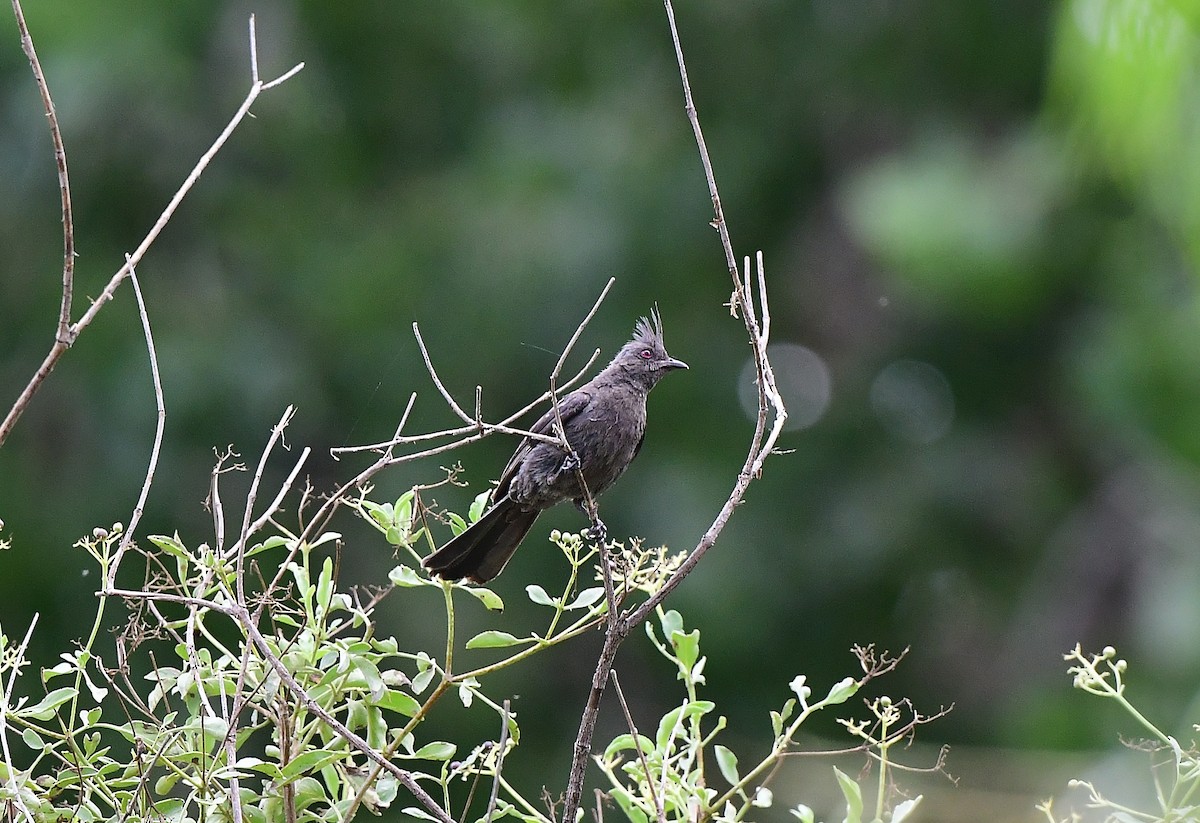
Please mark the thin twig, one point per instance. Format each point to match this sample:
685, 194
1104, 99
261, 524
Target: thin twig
159, 426
637, 744
405, 777
231, 725
16, 661
437, 381
63, 335
491, 808
481, 429
63, 340
589, 503
762, 443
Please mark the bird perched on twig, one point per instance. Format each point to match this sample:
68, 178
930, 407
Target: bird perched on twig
604, 422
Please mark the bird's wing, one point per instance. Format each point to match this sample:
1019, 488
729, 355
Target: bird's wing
568, 407
638, 447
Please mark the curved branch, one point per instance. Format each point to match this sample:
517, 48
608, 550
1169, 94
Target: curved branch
67, 331
64, 334
770, 404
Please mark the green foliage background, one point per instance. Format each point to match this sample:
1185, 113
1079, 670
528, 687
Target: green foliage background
993, 203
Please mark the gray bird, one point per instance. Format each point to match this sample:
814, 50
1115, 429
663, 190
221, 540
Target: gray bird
604, 421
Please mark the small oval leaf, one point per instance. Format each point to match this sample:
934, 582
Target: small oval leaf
493, 639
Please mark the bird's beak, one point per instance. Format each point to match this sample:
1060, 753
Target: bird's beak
672, 363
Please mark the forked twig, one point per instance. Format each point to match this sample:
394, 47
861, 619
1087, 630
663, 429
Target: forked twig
65, 337
475, 430
770, 404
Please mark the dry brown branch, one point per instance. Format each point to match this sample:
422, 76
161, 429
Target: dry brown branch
65, 338
770, 405
64, 182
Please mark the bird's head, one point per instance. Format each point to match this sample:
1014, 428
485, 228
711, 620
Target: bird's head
644, 358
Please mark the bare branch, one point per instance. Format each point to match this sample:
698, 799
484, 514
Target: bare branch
249, 529
159, 426
762, 443
503, 745
481, 429
589, 503
65, 338
637, 744
64, 334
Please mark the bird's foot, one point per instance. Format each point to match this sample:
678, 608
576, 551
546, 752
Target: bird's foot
598, 533
570, 463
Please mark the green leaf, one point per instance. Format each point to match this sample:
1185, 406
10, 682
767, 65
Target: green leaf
457, 524
672, 621
269, 543
803, 813
165, 783
853, 795
686, 646
381, 513
673, 720
403, 510
623, 742
257, 764
419, 814
45, 708
493, 639
478, 506
399, 702
727, 762
308, 791
538, 595
405, 577
437, 750
171, 545
325, 584
425, 674
214, 728
487, 597
628, 805
371, 675
33, 740
311, 761
303, 584
586, 598
801, 690
842, 691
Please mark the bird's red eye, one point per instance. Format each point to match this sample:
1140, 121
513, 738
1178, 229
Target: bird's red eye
645, 354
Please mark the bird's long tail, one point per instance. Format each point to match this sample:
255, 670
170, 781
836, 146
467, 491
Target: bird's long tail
483, 550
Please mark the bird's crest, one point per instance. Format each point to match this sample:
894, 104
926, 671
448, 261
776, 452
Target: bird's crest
649, 330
